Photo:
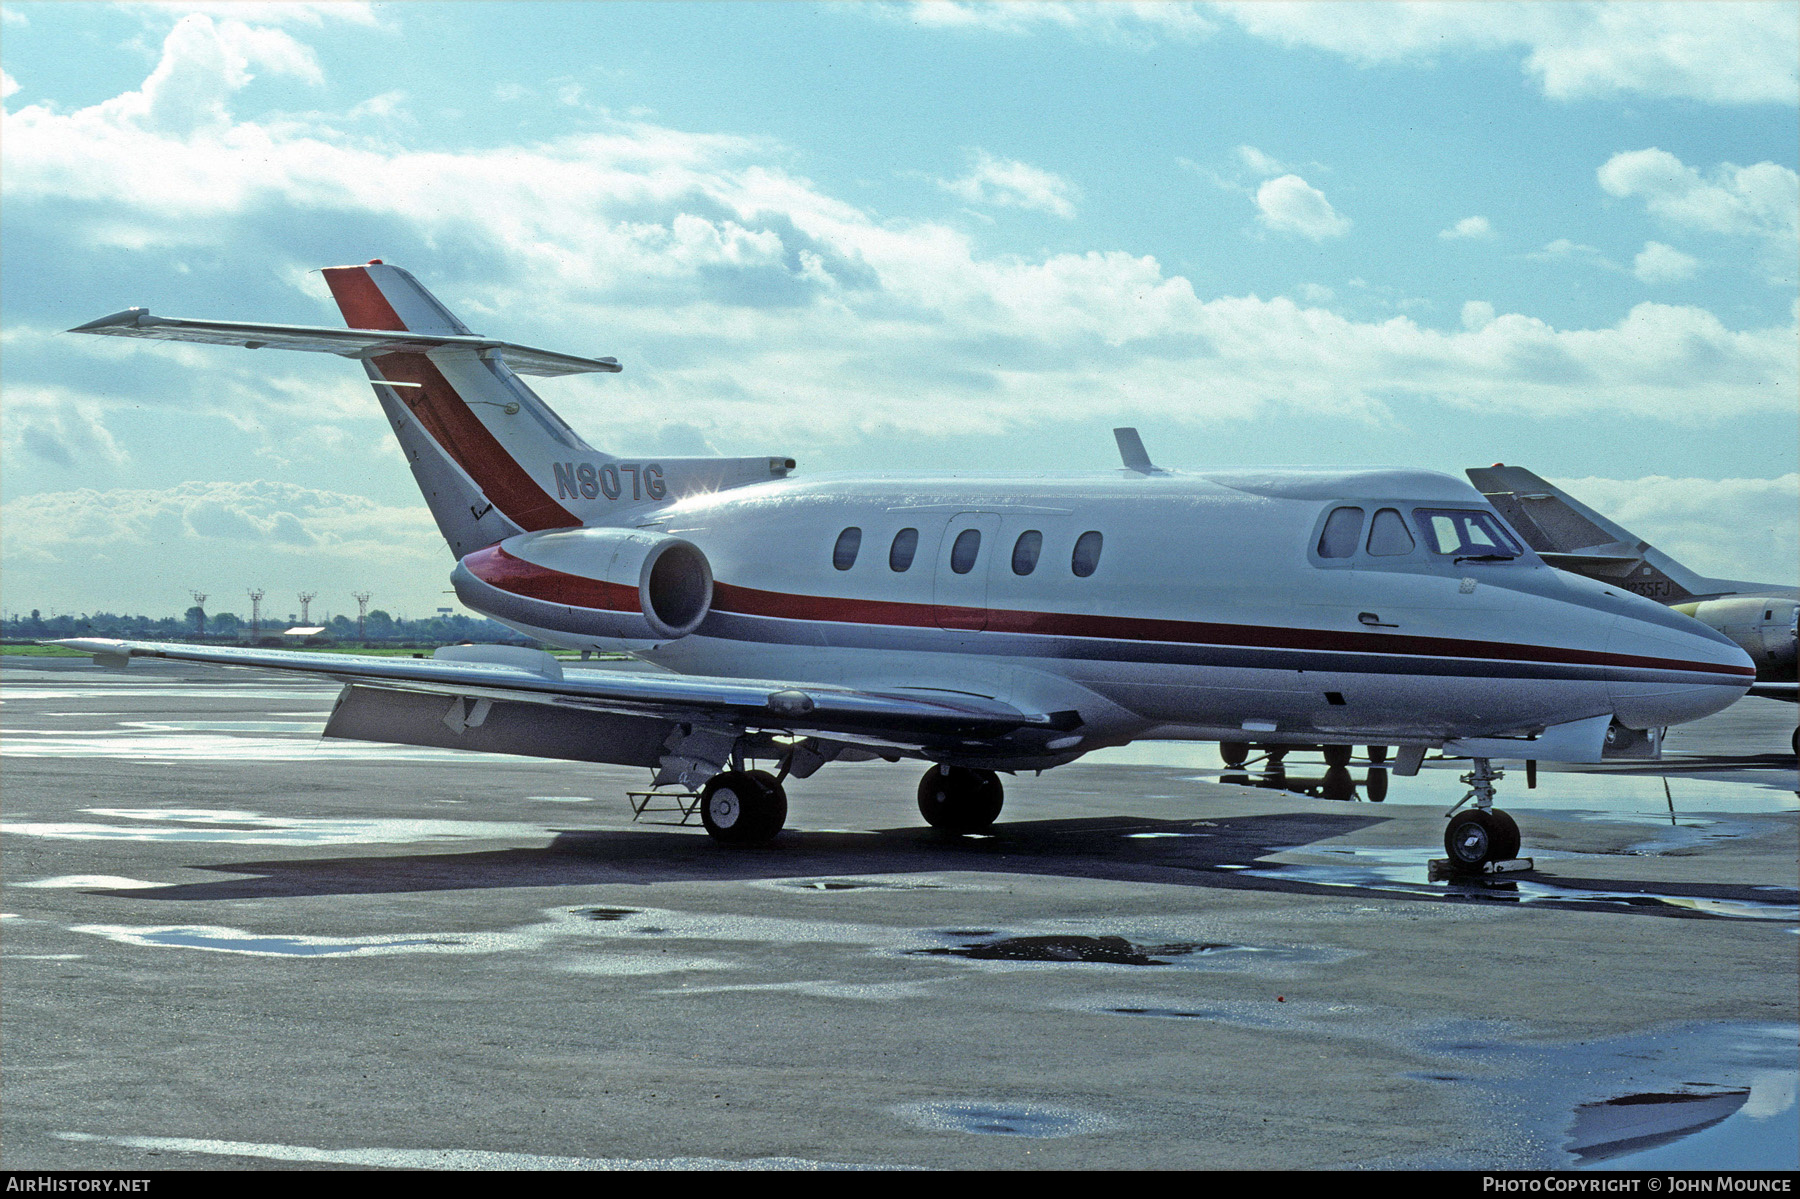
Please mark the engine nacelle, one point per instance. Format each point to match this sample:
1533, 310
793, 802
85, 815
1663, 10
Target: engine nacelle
610, 583
1764, 626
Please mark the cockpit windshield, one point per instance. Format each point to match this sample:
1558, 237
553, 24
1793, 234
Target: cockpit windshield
1466, 534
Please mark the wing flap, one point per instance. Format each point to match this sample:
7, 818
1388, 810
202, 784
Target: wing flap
759, 704
351, 343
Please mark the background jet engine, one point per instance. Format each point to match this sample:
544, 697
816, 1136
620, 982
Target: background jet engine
607, 583
1763, 626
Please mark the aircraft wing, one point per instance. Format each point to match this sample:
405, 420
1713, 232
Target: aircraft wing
351, 343
900, 716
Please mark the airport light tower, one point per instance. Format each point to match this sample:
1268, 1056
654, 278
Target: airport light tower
199, 612
306, 599
362, 613
256, 598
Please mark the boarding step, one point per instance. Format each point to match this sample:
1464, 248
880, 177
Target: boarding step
663, 804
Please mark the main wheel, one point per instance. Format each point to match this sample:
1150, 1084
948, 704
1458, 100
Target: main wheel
1337, 784
1337, 755
743, 807
1376, 785
1234, 753
1470, 839
958, 800
1506, 836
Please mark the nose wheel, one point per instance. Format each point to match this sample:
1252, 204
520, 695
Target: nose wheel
1482, 837
743, 807
958, 800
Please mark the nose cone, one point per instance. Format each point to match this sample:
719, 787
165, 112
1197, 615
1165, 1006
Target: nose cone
1667, 668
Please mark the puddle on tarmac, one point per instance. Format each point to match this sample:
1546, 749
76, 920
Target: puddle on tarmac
1404, 870
252, 828
1111, 951
855, 884
1002, 1119
605, 915
559, 798
1633, 1123
232, 940
99, 882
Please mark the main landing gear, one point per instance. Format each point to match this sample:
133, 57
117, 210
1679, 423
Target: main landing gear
1482, 837
956, 799
743, 807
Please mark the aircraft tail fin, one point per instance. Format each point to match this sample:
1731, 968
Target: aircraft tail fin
491, 458
1567, 533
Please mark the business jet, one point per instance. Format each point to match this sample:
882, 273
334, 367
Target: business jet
981, 624
1761, 617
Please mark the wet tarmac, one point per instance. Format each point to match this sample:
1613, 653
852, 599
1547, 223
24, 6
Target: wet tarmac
226, 944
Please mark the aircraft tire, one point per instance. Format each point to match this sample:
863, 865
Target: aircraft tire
743, 807
1376, 786
1470, 839
1337, 755
1234, 753
956, 800
1506, 838
1337, 784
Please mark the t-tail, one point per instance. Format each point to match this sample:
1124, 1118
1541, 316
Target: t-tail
491, 458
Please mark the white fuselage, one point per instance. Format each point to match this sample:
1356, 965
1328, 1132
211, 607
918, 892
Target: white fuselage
1208, 612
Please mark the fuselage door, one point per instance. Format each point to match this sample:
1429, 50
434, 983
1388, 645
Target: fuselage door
960, 586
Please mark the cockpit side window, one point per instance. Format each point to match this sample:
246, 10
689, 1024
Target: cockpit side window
1343, 529
1466, 533
1388, 535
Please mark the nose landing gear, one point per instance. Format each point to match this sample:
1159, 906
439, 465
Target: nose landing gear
1483, 838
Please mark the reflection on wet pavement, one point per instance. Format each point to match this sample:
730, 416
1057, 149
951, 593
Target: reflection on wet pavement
1001, 1118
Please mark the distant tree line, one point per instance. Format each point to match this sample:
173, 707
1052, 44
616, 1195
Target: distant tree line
379, 628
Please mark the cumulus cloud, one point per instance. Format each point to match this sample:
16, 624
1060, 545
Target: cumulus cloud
8, 85
1730, 528
751, 301
1011, 184
1470, 228
127, 542
1259, 162
1657, 263
1757, 201
1132, 24
1292, 205
1722, 53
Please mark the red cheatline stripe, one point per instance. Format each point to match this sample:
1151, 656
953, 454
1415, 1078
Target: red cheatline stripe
359, 298
442, 411
500, 569
750, 601
453, 426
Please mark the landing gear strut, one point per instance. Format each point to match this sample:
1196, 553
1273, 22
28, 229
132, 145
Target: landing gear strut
1484, 833
959, 800
743, 807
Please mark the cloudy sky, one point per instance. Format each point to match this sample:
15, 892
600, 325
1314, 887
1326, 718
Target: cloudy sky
895, 237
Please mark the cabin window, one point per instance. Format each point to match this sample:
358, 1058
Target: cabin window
1025, 551
1086, 558
1343, 529
1389, 536
963, 553
843, 555
1465, 533
900, 554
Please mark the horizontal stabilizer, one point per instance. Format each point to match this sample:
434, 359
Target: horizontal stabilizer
350, 343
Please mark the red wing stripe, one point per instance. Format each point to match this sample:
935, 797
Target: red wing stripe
359, 298
497, 568
750, 601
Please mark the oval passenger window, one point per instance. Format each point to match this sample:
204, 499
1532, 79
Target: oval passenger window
1086, 557
843, 555
1026, 550
900, 554
962, 554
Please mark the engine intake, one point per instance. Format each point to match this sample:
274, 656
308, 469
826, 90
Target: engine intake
611, 583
